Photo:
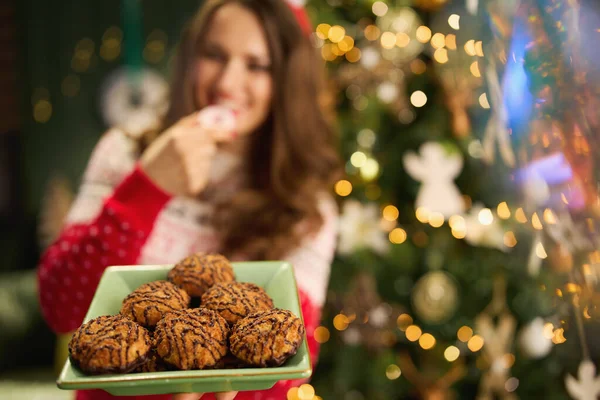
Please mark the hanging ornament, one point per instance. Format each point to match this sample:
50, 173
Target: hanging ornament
488, 233
532, 341
359, 228
428, 388
587, 386
435, 297
402, 22
134, 105
436, 169
498, 338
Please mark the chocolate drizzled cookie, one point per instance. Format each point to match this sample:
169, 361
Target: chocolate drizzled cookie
192, 338
267, 339
235, 300
197, 273
109, 344
147, 304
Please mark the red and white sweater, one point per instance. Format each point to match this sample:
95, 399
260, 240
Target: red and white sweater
120, 217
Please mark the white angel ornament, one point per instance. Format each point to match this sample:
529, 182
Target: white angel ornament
436, 169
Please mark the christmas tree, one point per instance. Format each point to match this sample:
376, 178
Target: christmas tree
459, 273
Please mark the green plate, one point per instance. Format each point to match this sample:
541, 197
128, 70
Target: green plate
277, 278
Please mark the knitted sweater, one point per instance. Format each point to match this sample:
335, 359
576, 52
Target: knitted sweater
120, 217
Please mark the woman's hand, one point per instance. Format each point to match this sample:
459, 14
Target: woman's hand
179, 161
196, 396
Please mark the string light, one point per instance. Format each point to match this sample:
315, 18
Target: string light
398, 236
372, 32
358, 159
393, 372
322, 31
418, 99
475, 69
540, 251
379, 8
520, 216
509, 239
485, 216
438, 40
427, 341
483, 101
536, 223
423, 34
306, 392
464, 334
422, 215
388, 40
404, 321
402, 39
454, 21
451, 41
479, 48
475, 343
451, 353
413, 333
470, 47
343, 188
441, 56
340, 322
503, 210
336, 33
353, 55
549, 216
346, 44
436, 219
322, 334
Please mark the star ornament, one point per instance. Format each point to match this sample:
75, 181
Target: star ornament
587, 386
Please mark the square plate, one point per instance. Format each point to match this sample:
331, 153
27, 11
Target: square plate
277, 278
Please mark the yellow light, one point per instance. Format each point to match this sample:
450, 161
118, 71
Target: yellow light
520, 216
335, 49
404, 321
457, 222
418, 66
369, 170
372, 32
402, 39
436, 219
110, 49
438, 40
418, 99
511, 384
306, 392
42, 111
340, 322
509, 360
470, 47
393, 372
535, 221
548, 330
70, 85
422, 215
390, 213
327, 52
413, 333
459, 234
423, 34
336, 33
454, 21
503, 210
475, 69
379, 8
353, 55
322, 334
509, 239
479, 48
475, 343
441, 56
559, 293
549, 216
451, 353
540, 251
292, 394
346, 44
343, 188
483, 101
586, 313
358, 159
398, 236
464, 334
427, 341
113, 33
451, 41
485, 216
322, 31
559, 336
388, 40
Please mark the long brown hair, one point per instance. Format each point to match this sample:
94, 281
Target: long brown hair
293, 157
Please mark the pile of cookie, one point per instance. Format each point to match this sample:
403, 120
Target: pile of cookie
236, 325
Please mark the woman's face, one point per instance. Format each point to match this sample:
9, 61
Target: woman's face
234, 67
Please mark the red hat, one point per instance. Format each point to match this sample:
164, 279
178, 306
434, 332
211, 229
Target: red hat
301, 16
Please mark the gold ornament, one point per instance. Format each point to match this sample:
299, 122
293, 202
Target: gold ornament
435, 297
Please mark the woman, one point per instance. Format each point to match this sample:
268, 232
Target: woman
255, 192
